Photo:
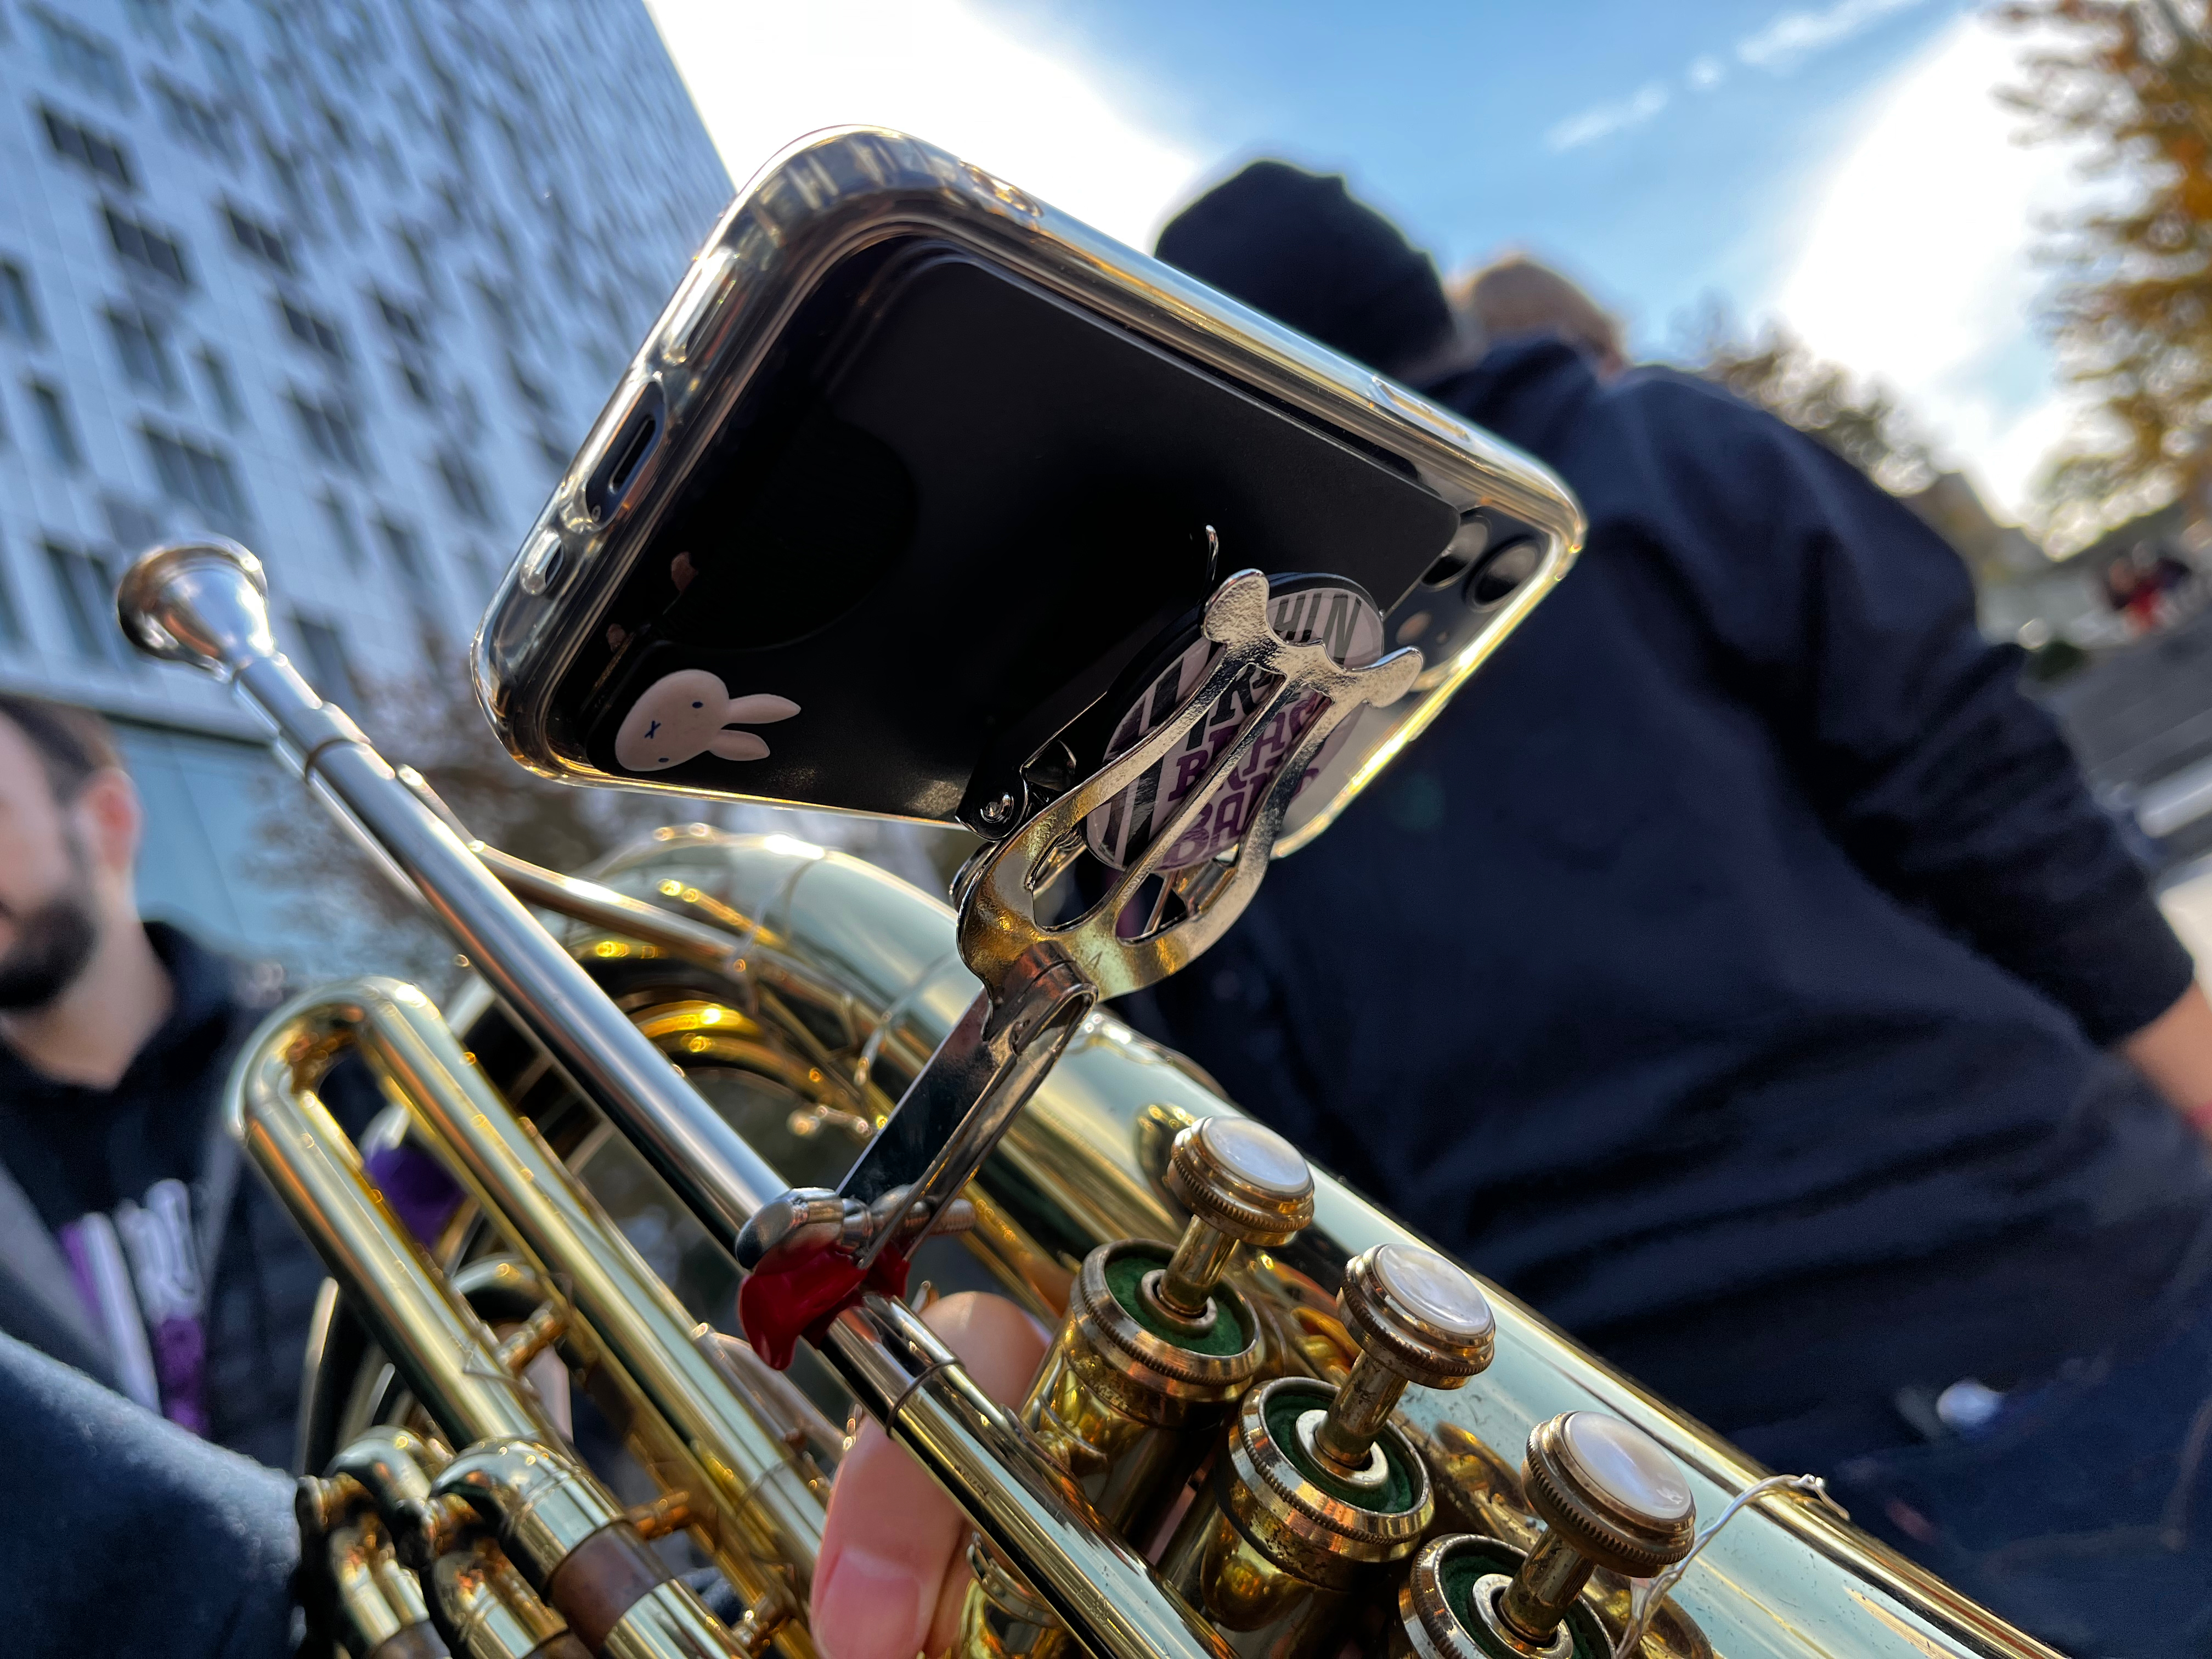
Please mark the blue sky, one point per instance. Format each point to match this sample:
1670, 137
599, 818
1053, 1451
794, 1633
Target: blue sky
1839, 164
1576, 130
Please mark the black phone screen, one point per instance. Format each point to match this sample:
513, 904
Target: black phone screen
938, 525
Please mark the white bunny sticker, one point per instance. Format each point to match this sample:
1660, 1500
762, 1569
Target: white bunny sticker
686, 714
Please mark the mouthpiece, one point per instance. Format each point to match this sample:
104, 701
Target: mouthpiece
203, 603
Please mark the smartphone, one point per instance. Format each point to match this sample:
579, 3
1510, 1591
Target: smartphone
917, 488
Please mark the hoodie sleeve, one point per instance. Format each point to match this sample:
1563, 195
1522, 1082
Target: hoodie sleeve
1850, 624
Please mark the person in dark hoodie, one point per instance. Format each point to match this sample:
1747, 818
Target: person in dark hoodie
139, 1262
1740, 972
131, 1245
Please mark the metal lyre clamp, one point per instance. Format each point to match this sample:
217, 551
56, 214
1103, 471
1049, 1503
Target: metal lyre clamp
810, 1252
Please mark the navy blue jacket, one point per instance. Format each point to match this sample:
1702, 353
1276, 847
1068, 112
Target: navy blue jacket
126, 1536
65, 1148
1728, 971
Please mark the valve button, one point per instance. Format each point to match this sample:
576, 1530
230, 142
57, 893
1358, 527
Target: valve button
1421, 1315
1256, 1155
1624, 1468
1242, 1178
1433, 1291
1609, 1492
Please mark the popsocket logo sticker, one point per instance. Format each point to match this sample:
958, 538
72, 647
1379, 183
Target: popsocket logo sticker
1342, 618
688, 714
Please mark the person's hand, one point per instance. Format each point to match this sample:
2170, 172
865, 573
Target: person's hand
2174, 1051
893, 1570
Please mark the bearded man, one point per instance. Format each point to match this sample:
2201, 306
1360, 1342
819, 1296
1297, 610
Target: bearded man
130, 1245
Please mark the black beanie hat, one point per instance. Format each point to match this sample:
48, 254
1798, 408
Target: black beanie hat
1296, 245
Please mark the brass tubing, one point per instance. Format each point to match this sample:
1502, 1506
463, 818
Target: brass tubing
768, 1504
449, 1361
361, 1599
1547, 1585
764, 1507
486, 1609
618, 912
1186, 1283
449, 1357
1026, 1507
1346, 1435
206, 603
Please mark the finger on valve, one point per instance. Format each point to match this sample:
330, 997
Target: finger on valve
893, 1568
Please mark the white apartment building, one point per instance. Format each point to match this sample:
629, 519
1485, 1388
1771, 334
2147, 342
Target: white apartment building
346, 279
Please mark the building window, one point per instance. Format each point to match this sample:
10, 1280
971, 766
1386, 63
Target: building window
331, 431
497, 305
401, 322
342, 529
405, 548
221, 390
87, 590
318, 334
11, 618
202, 125
285, 171
156, 18
555, 456
527, 386
265, 245
415, 242
198, 477
55, 425
225, 62
464, 486
327, 667
411, 339
128, 525
142, 346
146, 247
79, 55
80, 144
18, 314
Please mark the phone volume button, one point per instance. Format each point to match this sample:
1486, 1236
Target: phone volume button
701, 307
542, 566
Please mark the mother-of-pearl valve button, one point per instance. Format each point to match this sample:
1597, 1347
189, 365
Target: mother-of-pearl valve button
1419, 1319
1609, 1491
1420, 1314
1243, 1183
1626, 1467
1243, 1178
1257, 1156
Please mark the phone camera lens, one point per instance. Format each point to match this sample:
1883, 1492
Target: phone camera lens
1503, 571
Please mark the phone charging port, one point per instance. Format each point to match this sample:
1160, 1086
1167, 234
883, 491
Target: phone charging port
633, 442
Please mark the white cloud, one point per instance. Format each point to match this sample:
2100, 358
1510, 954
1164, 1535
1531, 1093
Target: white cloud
1793, 37
1780, 46
1603, 120
763, 74
1917, 264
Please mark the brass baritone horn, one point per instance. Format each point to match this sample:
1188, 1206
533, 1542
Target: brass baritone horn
1271, 1420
